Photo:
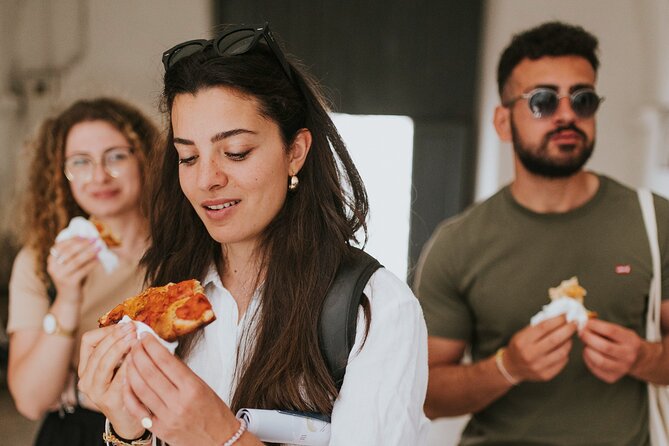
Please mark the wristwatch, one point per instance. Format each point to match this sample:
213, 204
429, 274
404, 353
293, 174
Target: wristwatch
51, 326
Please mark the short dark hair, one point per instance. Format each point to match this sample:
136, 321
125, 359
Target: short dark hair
547, 39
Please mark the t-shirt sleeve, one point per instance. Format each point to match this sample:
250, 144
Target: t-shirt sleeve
28, 298
436, 286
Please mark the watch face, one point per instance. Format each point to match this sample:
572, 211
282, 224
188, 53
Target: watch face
49, 323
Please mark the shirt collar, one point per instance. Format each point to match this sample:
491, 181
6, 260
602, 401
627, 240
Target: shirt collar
212, 277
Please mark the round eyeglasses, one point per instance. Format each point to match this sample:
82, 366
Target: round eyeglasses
544, 102
115, 161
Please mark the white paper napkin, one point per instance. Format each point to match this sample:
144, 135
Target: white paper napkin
571, 308
143, 328
81, 227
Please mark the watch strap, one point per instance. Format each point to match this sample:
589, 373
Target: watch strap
59, 330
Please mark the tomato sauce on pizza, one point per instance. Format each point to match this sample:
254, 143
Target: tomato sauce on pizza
173, 310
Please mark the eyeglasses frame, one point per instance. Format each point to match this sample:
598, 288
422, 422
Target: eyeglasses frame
103, 162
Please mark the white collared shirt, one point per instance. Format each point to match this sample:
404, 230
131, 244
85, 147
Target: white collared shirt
381, 399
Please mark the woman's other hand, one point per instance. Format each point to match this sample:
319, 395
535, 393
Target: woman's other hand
102, 372
182, 408
68, 264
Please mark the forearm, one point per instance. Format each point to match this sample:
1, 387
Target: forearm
34, 354
464, 388
652, 362
248, 439
37, 380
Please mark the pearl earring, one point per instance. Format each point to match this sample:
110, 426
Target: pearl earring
294, 182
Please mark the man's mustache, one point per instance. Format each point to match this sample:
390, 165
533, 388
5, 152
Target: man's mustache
571, 127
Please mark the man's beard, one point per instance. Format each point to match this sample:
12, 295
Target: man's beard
539, 163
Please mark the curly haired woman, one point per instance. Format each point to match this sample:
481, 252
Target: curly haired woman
89, 161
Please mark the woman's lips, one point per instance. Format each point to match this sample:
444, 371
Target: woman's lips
220, 208
105, 194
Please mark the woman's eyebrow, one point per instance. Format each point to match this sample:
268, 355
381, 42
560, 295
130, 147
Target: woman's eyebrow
230, 133
217, 137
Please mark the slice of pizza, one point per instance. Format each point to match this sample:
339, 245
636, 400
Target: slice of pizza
107, 236
570, 288
173, 310
566, 298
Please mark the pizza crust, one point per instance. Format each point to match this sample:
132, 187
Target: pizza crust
107, 236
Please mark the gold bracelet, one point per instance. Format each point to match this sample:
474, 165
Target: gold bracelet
499, 361
111, 439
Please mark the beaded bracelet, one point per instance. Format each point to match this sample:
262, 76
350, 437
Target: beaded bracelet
110, 437
238, 434
499, 361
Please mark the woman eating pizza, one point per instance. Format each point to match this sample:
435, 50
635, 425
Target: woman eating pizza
88, 161
259, 200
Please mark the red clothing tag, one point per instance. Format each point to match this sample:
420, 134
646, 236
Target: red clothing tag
623, 269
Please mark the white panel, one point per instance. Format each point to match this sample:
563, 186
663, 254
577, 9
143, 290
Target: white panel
382, 150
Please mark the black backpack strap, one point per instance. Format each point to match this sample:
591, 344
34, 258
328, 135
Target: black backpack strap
338, 320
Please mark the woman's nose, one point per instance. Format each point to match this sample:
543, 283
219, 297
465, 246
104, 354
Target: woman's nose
211, 174
100, 174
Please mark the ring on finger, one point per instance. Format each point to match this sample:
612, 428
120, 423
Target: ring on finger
56, 255
147, 423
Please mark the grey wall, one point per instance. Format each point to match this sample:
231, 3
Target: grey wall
416, 58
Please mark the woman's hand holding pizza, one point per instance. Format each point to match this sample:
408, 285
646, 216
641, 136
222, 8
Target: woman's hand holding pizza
68, 264
182, 409
102, 380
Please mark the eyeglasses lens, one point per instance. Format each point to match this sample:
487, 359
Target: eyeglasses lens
115, 161
543, 103
79, 168
585, 103
237, 42
187, 50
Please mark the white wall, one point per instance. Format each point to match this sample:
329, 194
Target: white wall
81, 48
634, 75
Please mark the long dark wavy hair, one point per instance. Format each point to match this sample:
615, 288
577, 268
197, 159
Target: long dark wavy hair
301, 248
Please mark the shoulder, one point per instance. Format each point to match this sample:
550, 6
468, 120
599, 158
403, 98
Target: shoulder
456, 238
25, 279
619, 192
24, 263
386, 375
389, 295
472, 220
28, 298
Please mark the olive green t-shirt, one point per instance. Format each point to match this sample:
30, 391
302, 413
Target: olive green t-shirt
485, 273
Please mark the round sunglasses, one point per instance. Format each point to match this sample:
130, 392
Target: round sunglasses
544, 102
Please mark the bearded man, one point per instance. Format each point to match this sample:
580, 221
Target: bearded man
485, 273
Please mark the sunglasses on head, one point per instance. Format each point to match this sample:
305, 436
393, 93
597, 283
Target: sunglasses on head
234, 41
544, 102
